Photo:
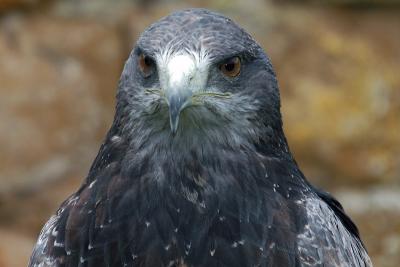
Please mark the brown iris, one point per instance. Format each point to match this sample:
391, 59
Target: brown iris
231, 67
146, 65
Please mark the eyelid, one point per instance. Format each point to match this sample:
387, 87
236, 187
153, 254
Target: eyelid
244, 57
140, 50
227, 58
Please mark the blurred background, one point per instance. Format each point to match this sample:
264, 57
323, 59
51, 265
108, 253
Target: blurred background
337, 63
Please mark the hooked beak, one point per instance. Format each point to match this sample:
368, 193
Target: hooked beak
177, 80
177, 102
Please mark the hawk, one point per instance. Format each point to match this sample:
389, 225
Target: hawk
195, 170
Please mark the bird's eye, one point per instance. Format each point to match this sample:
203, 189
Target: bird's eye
231, 67
146, 65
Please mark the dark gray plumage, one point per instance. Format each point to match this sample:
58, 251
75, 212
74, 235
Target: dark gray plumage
196, 170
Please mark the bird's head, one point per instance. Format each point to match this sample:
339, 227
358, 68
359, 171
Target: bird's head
196, 75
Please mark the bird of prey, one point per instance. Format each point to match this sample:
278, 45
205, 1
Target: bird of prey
195, 170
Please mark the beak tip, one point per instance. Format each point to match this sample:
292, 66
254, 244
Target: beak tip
176, 104
173, 131
174, 125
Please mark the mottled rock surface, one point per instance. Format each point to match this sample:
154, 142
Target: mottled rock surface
58, 80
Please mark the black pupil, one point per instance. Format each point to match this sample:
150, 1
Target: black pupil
230, 66
147, 61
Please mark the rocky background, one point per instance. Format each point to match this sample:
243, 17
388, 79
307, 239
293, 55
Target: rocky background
337, 61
